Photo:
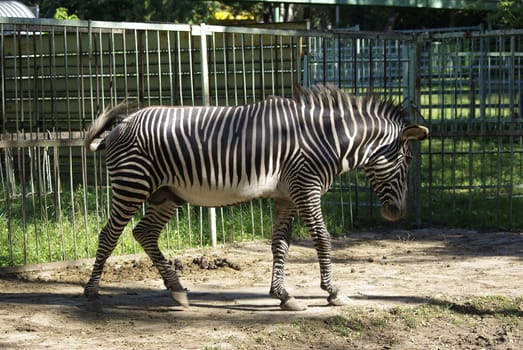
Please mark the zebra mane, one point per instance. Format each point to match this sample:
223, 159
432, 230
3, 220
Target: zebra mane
330, 95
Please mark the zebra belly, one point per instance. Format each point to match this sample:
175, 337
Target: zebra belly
220, 197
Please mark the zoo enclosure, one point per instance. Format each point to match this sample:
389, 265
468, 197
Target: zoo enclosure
56, 76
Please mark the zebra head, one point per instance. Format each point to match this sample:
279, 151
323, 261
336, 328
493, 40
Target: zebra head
387, 171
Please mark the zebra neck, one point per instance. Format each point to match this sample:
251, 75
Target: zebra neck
363, 141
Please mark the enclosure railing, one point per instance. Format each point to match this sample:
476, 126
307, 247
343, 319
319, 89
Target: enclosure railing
56, 76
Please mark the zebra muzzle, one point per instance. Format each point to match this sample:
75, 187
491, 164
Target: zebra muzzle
392, 212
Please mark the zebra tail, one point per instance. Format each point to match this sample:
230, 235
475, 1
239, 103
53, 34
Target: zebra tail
105, 121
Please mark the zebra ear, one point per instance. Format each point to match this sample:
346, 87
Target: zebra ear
415, 132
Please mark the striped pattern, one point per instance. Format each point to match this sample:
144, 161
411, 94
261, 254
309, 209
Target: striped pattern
286, 149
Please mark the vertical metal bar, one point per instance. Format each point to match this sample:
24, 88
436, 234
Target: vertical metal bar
215, 70
204, 69
244, 71
178, 235
82, 113
100, 66
482, 111
253, 71
191, 72
304, 53
429, 76
28, 97
206, 101
112, 70
124, 61
225, 68
339, 59
273, 90
234, 71
260, 202
18, 86
90, 60
137, 54
242, 233
9, 171
223, 225
189, 223
179, 55
200, 222
512, 78
167, 33
70, 149
453, 124
58, 189
147, 67
251, 209
298, 56
262, 66
170, 63
370, 65
42, 195
499, 122
470, 126
411, 95
56, 157
282, 70
292, 62
324, 60
158, 43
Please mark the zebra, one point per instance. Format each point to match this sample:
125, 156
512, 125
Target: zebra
287, 149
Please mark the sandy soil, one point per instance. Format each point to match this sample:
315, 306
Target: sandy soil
43, 307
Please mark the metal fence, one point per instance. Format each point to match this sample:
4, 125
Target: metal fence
468, 88
56, 76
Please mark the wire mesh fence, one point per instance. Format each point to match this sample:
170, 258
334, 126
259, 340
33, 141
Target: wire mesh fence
471, 92
56, 76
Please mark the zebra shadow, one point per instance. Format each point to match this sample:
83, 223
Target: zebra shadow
246, 301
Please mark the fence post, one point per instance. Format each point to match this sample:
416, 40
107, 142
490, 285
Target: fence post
204, 69
411, 57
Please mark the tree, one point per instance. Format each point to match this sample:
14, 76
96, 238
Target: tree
62, 13
177, 11
508, 14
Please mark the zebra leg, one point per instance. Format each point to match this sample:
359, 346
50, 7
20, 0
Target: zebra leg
310, 211
161, 206
118, 219
284, 216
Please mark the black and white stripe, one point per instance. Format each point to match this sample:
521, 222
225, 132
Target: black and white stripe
286, 149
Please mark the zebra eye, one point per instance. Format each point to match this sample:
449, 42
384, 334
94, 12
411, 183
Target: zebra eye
408, 158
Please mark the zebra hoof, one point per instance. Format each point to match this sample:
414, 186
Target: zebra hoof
340, 300
292, 305
180, 297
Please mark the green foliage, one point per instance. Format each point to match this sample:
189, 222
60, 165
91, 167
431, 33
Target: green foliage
472, 182
381, 322
177, 11
62, 13
60, 226
421, 315
508, 14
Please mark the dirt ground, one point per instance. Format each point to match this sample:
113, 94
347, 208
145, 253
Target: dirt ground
419, 289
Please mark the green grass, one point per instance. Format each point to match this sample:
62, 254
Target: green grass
502, 310
468, 182
493, 321
50, 228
